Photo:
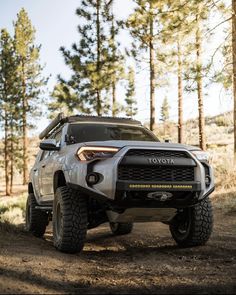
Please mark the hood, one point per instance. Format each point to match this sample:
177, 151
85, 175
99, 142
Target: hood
151, 144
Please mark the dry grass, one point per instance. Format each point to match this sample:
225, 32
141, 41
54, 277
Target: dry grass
225, 177
12, 213
225, 201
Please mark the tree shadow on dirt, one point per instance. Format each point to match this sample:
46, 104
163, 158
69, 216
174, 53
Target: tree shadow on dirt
87, 287
8, 227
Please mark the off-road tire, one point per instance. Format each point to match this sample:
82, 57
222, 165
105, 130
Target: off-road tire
36, 220
118, 228
69, 220
198, 224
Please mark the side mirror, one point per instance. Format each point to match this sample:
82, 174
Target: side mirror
49, 145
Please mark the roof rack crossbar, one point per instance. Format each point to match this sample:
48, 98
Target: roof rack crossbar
52, 125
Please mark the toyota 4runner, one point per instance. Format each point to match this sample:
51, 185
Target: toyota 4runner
92, 170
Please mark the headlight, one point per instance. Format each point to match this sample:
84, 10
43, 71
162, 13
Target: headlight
201, 156
91, 153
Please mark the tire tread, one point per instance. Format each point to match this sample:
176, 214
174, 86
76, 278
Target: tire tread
74, 211
201, 225
38, 218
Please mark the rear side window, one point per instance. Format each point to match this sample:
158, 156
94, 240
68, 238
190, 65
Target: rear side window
78, 133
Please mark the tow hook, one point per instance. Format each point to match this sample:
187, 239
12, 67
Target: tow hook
160, 196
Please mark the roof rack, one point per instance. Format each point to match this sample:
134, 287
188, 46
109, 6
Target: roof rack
86, 118
55, 122
61, 119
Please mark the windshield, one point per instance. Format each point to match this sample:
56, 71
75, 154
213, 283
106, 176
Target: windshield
78, 133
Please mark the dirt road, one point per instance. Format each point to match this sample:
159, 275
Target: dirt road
146, 261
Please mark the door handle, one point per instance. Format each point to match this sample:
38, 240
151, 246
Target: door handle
44, 165
35, 170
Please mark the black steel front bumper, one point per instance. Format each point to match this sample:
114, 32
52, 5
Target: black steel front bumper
184, 195
136, 194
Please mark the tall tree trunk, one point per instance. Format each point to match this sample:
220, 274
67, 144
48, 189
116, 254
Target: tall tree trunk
24, 128
114, 110
202, 136
25, 145
234, 69
152, 72
98, 92
6, 158
11, 157
114, 107
180, 95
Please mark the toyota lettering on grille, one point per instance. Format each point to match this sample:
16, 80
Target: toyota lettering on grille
162, 161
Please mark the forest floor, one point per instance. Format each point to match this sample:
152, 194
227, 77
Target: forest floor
144, 262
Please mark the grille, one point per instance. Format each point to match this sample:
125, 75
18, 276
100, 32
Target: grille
157, 153
157, 173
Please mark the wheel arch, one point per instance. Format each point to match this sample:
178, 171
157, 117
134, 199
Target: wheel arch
30, 188
59, 180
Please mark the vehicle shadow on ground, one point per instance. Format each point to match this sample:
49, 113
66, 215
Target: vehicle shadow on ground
103, 244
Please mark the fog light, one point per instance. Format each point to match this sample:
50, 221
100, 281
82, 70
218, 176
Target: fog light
208, 180
92, 178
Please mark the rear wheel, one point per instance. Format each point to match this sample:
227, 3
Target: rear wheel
36, 220
118, 228
193, 226
69, 220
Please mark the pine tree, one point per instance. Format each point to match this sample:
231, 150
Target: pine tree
199, 80
196, 72
64, 100
226, 75
146, 27
185, 27
178, 26
180, 92
165, 113
29, 72
165, 116
131, 104
115, 58
177, 30
141, 27
8, 103
89, 60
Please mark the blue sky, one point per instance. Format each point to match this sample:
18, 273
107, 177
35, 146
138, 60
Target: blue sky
56, 25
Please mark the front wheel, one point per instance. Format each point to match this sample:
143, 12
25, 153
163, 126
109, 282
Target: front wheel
118, 228
69, 220
193, 226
